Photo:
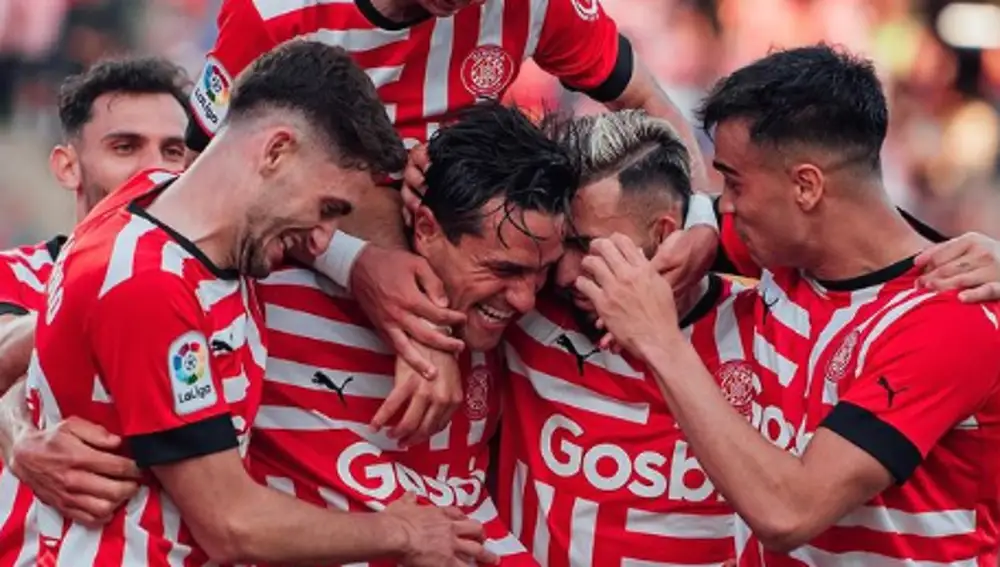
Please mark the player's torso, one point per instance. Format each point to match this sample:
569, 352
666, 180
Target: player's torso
809, 350
594, 470
327, 374
427, 72
64, 380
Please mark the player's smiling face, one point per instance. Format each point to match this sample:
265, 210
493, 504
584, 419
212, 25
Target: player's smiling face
303, 196
492, 277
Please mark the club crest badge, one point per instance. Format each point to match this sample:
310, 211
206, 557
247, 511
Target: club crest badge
487, 71
477, 393
736, 379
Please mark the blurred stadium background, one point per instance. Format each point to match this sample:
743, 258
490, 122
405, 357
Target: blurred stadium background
940, 62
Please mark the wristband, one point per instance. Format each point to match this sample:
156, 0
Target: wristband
337, 261
701, 212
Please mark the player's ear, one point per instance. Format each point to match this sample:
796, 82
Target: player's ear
663, 226
427, 233
810, 184
65, 166
280, 144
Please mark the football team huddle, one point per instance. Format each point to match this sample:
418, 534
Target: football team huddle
336, 305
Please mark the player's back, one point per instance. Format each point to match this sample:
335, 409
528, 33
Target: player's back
594, 469
328, 372
906, 374
83, 365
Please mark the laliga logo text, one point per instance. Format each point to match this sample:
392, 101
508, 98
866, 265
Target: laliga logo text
360, 468
608, 467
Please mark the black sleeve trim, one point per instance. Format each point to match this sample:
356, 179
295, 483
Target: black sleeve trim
877, 438
722, 264
196, 139
617, 80
923, 229
12, 309
206, 437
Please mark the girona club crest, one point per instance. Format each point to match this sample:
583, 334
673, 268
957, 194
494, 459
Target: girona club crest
736, 379
586, 9
836, 369
477, 393
487, 71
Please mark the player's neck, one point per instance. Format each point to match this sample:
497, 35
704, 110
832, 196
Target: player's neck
861, 237
199, 207
398, 10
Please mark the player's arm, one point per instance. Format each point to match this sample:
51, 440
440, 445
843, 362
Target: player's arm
176, 421
17, 338
17, 327
242, 37
873, 441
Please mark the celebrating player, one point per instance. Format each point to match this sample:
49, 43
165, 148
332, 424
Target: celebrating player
429, 59
117, 118
877, 399
594, 470
491, 226
305, 136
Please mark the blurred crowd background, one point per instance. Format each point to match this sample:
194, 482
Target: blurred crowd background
939, 60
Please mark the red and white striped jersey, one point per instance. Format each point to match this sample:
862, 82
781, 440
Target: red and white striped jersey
593, 468
908, 375
327, 374
143, 335
23, 273
424, 70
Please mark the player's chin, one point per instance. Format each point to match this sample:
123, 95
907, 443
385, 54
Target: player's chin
481, 339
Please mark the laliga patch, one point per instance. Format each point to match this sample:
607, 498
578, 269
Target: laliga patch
190, 374
210, 96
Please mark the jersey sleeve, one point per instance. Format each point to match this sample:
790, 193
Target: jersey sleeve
580, 44
148, 336
929, 371
242, 37
11, 301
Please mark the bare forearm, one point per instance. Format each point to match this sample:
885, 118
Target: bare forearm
304, 534
17, 338
14, 418
755, 477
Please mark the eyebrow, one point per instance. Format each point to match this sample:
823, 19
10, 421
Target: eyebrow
725, 168
136, 136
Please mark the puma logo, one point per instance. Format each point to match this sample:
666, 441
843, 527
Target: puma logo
325, 381
884, 383
220, 346
768, 305
568, 346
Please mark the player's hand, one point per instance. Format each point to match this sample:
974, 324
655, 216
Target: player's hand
400, 293
438, 537
413, 181
685, 257
635, 304
431, 402
71, 468
970, 263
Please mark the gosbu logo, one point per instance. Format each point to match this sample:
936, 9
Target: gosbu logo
608, 467
362, 470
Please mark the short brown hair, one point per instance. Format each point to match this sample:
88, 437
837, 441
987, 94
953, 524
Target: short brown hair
332, 92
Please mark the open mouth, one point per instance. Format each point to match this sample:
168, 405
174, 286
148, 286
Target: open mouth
493, 315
